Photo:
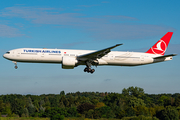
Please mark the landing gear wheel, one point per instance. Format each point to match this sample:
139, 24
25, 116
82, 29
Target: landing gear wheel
89, 70
92, 71
16, 67
85, 69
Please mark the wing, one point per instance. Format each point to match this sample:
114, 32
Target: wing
164, 56
97, 54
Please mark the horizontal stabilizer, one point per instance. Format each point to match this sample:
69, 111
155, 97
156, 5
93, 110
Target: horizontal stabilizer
164, 56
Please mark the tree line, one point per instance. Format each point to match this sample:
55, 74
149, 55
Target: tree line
131, 103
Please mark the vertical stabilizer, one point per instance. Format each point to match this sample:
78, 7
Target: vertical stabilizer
161, 46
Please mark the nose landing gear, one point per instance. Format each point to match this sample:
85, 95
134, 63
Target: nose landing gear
15, 64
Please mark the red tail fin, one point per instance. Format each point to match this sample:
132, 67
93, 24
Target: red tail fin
161, 46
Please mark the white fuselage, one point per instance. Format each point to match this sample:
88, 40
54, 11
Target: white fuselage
116, 58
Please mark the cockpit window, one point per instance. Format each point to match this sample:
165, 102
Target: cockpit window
7, 52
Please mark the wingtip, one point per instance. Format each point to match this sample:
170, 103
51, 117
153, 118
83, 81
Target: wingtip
119, 44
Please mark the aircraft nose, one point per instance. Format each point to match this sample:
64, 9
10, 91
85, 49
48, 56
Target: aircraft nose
5, 56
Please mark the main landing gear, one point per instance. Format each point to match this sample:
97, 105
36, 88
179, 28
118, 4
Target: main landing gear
15, 64
88, 68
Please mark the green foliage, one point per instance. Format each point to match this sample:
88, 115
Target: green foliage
62, 93
112, 99
121, 114
130, 112
72, 112
133, 91
57, 117
132, 104
169, 113
177, 101
1, 106
85, 107
17, 106
25, 112
105, 112
141, 110
89, 114
32, 109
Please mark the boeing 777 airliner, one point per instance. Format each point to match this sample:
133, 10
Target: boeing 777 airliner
73, 58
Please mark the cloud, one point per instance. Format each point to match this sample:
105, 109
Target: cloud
109, 27
7, 31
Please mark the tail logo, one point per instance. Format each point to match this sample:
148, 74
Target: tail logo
160, 47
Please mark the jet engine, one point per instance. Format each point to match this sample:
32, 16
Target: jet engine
68, 62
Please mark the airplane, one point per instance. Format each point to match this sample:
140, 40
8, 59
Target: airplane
73, 58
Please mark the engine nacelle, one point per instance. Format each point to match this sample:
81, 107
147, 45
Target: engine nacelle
68, 62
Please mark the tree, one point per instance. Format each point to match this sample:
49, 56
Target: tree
162, 100
121, 114
1, 106
177, 101
94, 101
111, 99
105, 112
72, 112
130, 112
141, 110
169, 113
32, 109
63, 102
54, 101
85, 107
133, 91
26, 112
71, 101
7, 109
89, 114
62, 93
152, 111
17, 106
99, 104
133, 101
